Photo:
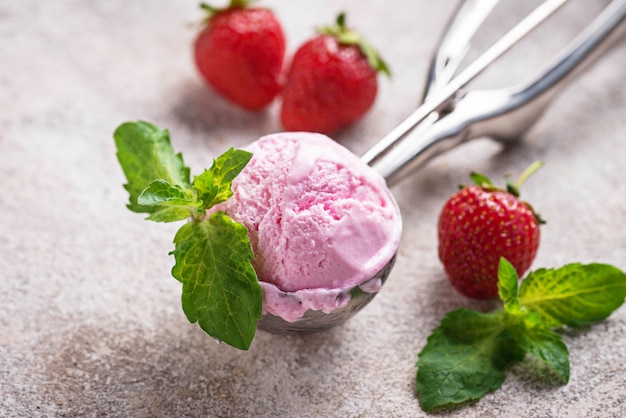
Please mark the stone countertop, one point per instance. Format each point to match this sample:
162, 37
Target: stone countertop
90, 319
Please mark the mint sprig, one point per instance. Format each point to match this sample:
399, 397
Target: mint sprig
464, 359
575, 295
169, 202
220, 287
146, 154
467, 355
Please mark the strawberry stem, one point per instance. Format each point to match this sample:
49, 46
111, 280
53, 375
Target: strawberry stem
530, 170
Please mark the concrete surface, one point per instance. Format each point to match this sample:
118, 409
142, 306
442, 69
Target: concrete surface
90, 319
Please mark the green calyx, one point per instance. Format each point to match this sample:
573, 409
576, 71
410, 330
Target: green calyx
234, 4
347, 36
511, 187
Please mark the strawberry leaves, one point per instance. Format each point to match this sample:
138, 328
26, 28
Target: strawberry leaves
512, 188
467, 355
347, 36
220, 288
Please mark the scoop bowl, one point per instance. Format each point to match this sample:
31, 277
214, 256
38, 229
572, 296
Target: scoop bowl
315, 321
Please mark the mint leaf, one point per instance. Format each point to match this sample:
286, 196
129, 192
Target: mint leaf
206, 188
574, 295
464, 358
214, 184
160, 192
220, 288
508, 286
146, 154
545, 344
171, 202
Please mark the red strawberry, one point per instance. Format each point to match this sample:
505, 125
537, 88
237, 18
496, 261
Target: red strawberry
478, 225
332, 81
240, 53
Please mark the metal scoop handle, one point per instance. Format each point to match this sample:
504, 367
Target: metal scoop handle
448, 118
455, 43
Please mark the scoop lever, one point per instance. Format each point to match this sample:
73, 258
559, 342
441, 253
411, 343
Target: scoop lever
449, 117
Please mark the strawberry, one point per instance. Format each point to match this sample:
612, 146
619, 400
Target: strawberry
240, 53
332, 81
481, 223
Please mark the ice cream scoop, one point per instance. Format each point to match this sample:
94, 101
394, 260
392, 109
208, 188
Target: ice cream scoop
323, 226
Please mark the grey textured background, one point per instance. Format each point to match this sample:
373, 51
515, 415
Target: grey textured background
90, 319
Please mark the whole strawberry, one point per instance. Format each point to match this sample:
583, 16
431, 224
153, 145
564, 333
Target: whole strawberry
481, 223
240, 53
332, 81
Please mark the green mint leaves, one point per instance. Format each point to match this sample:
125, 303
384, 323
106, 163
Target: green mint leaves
465, 358
158, 180
213, 185
575, 295
167, 202
145, 154
467, 355
220, 288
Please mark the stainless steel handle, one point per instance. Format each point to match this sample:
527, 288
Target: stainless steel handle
500, 113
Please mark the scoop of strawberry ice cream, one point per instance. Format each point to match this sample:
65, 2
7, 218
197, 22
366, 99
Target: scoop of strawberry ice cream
320, 221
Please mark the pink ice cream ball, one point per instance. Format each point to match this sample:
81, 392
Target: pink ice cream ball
317, 216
